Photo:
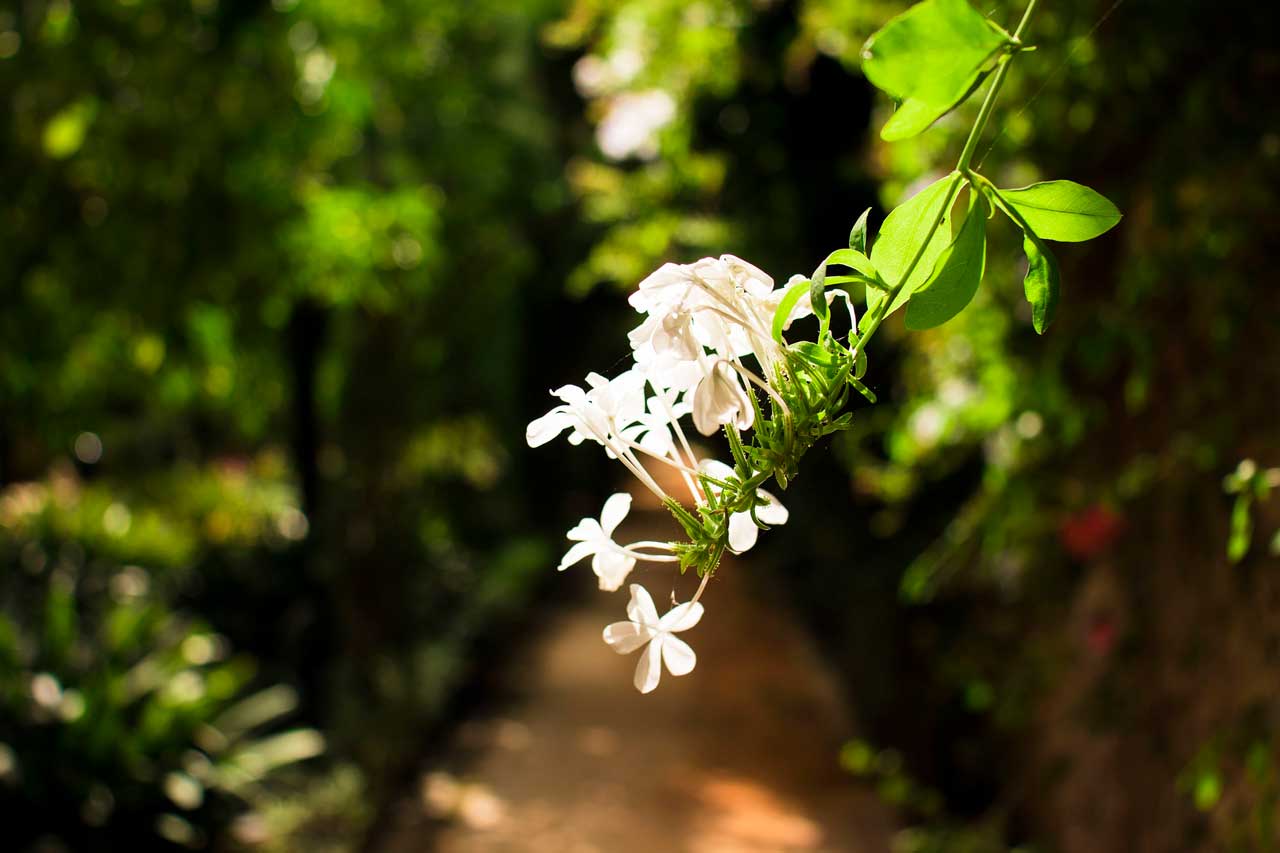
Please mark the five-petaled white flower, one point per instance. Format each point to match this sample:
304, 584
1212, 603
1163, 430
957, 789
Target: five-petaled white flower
609, 560
644, 626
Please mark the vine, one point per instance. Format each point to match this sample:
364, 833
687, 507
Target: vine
703, 320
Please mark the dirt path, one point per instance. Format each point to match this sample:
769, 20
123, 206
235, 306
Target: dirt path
740, 755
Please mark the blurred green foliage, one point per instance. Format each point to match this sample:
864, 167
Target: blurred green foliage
120, 716
264, 269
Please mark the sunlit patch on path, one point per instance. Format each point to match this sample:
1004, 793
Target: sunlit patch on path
740, 755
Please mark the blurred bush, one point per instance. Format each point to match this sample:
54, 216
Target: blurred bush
122, 717
270, 273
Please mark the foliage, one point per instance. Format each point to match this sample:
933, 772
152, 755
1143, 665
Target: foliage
242, 247
1249, 484
118, 713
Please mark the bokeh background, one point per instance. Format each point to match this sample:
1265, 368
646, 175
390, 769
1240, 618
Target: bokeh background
283, 282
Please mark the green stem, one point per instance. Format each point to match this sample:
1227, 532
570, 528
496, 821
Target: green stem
730, 497
882, 308
988, 103
962, 168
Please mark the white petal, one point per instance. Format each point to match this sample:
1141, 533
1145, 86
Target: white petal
576, 553
704, 412
571, 394
625, 637
547, 427
773, 512
682, 617
649, 668
742, 532
640, 608
615, 509
612, 567
665, 276
658, 440
587, 530
717, 469
750, 277
677, 655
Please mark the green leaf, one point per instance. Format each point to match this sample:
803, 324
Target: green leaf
930, 58
901, 235
853, 259
1063, 210
915, 116
956, 274
818, 302
814, 353
858, 235
789, 300
1042, 282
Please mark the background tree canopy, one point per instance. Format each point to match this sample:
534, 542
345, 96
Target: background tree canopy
284, 281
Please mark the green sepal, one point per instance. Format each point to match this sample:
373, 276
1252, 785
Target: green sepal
863, 389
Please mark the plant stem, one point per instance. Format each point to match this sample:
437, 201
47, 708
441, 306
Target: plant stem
962, 174
962, 168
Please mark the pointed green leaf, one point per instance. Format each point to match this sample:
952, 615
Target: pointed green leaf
901, 236
956, 274
912, 117
858, 235
930, 58
1063, 210
818, 302
930, 50
788, 303
1042, 282
853, 259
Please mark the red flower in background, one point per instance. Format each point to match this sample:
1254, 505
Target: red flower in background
1089, 532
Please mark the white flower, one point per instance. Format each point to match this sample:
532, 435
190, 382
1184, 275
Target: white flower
609, 560
644, 626
721, 399
743, 531
590, 414
631, 123
749, 277
802, 308
652, 430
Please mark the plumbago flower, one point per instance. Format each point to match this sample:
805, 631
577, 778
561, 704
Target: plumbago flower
610, 561
643, 626
709, 348
711, 344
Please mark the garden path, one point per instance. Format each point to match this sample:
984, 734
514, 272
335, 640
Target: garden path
739, 756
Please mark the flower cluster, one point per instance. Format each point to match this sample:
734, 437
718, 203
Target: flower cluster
701, 323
